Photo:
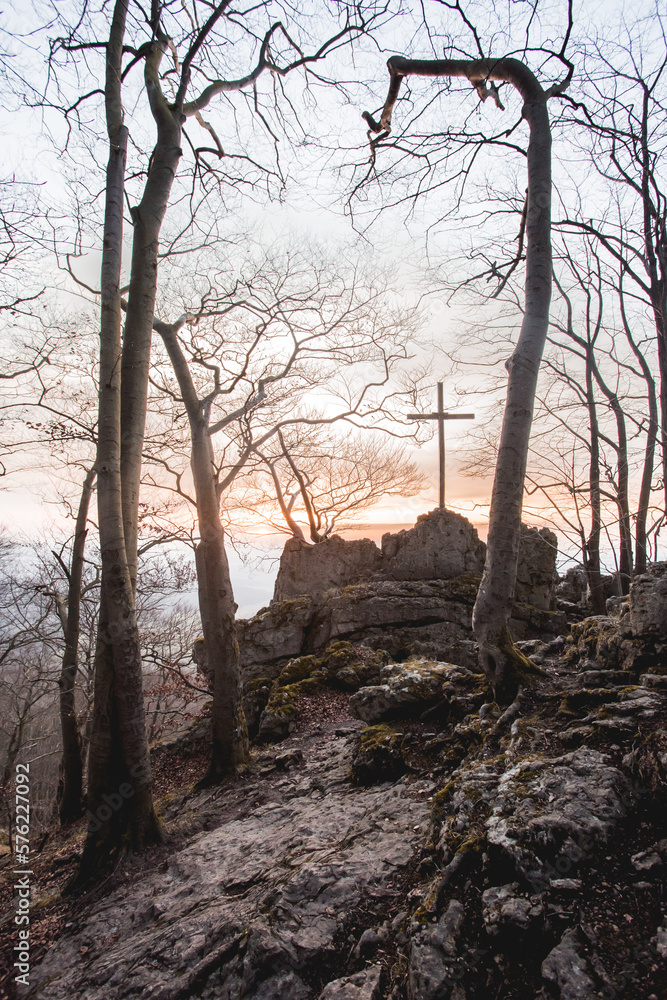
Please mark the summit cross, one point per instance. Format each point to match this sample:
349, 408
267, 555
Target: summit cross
441, 415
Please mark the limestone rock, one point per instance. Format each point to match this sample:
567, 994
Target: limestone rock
410, 687
274, 633
442, 545
253, 907
276, 723
565, 972
421, 617
256, 694
432, 973
536, 569
573, 587
330, 564
661, 940
504, 910
550, 813
355, 611
199, 657
648, 602
285, 985
462, 807
363, 985
379, 756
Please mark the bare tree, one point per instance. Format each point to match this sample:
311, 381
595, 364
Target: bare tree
241, 365
197, 48
619, 119
500, 659
70, 791
333, 479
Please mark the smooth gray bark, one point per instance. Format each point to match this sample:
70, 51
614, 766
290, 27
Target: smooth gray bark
499, 657
70, 787
216, 598
120, 802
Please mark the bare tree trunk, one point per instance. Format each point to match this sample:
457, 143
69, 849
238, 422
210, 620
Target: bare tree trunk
148, 217
315, 534
70, 787
500, 659
216, 598
592, 546
284, 509
622, 498
120, 802
651, 440
658, 295
655, 241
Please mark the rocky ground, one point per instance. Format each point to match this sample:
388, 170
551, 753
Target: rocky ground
407, 838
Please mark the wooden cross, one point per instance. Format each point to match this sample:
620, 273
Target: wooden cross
441, 416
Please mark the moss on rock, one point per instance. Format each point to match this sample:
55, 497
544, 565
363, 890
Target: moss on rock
379, 755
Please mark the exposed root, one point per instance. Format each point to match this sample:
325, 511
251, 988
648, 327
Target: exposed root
507, 668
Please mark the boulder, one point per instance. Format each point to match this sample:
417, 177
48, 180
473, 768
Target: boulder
536, 575
434, 969
364, 985
442, 545
409, 688
379, 756
331, 564
648, 602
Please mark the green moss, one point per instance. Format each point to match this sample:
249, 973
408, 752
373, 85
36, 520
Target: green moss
258, 683
297, 670
425, 913
283, 612
441, 799
606, 712
379, 756
464, 587
474, 845
373, 736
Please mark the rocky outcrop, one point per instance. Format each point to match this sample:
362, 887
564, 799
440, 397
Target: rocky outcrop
262, 905
555, 807
462, 850
408, 689
435, 956
329, 565
565, 971
410, 618
536, 575
413, 598
273, 634
648, 603
633, 636
442, 545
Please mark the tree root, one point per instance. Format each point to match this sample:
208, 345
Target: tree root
506, 667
